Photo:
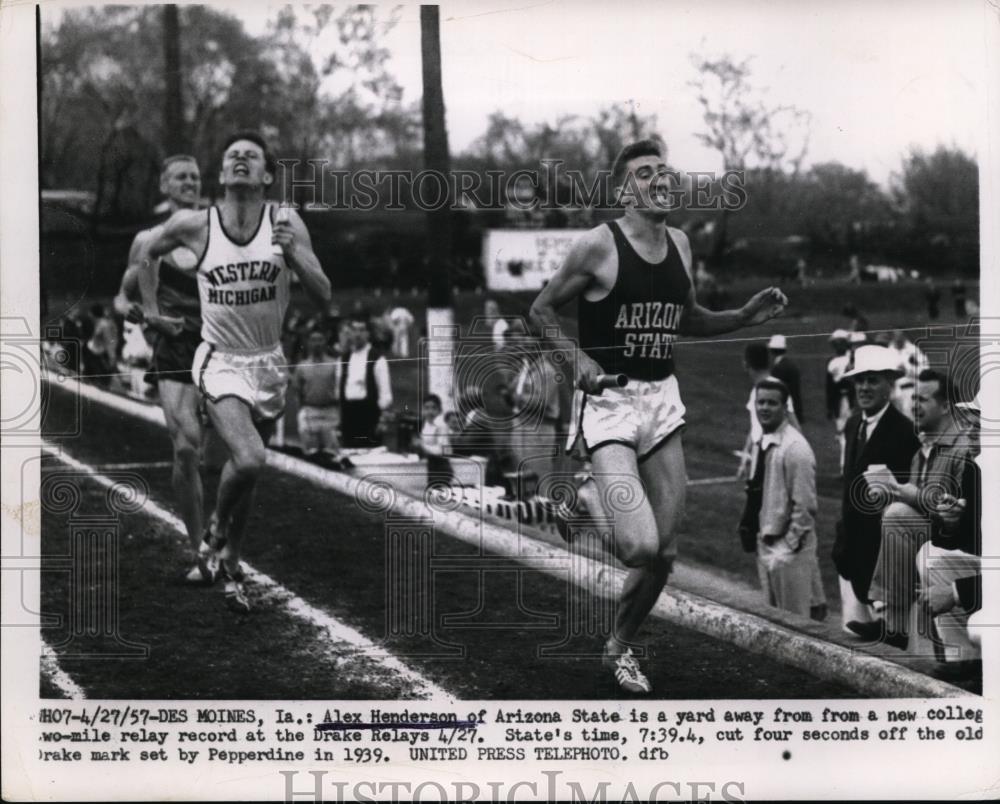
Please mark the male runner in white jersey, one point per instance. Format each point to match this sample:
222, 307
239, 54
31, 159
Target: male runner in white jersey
247, 253
632, 280
178, 326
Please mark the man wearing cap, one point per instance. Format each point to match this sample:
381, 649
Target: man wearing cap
786, 371
839, 391
877, 435
937, 471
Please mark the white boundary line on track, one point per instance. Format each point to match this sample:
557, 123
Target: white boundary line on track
712, 481
124, 467
827, 660
299, 608
59, 678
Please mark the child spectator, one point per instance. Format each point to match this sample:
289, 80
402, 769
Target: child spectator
434, 440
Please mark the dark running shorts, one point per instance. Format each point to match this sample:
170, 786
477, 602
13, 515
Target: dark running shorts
173, 357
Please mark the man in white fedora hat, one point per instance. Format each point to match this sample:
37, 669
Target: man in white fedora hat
877, 435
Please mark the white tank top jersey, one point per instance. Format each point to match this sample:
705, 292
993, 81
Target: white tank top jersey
244, 288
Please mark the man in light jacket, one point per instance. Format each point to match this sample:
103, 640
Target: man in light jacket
781, 503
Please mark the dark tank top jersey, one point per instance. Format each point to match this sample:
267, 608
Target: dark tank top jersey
177, 294
177, 291
631, 330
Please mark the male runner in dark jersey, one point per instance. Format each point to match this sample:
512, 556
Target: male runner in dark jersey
632, 280
177, 326
246, 253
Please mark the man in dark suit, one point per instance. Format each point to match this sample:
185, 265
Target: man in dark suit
877, 434
786, 371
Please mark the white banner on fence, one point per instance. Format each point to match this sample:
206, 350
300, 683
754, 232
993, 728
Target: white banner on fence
524, 259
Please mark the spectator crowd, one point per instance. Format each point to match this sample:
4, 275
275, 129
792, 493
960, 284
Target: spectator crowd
908, 537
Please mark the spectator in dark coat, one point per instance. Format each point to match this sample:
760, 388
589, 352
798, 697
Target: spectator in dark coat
786, 371
365, 388
877, 434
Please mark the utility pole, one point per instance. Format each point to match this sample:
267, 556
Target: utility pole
173, 108
440, 313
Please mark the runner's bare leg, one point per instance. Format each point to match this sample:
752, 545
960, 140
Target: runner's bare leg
180, 409
665, 479
248, 455
240, 517
624, 500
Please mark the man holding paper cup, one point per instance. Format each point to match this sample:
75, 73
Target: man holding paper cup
881, 439
918, 508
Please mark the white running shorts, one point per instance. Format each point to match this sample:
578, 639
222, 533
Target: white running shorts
258, 379
641, 415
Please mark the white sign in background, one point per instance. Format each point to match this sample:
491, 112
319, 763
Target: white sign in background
525, 259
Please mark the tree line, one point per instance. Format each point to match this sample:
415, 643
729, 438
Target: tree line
121, 86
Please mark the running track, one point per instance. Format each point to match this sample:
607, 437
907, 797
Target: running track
323, 627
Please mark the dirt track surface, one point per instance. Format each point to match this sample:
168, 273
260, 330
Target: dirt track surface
486, 633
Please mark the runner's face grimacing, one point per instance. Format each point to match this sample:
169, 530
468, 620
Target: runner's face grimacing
181, 183
244, 165
646, 186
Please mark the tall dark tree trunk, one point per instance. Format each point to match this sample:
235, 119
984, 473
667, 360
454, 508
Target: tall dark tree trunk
174, 140
440, 316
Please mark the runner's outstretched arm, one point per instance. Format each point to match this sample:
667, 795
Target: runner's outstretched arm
176, 231
698, 320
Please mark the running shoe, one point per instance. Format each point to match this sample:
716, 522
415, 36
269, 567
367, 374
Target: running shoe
206, 571
627, 673
236, 595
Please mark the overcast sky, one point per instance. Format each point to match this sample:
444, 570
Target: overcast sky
877, 77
